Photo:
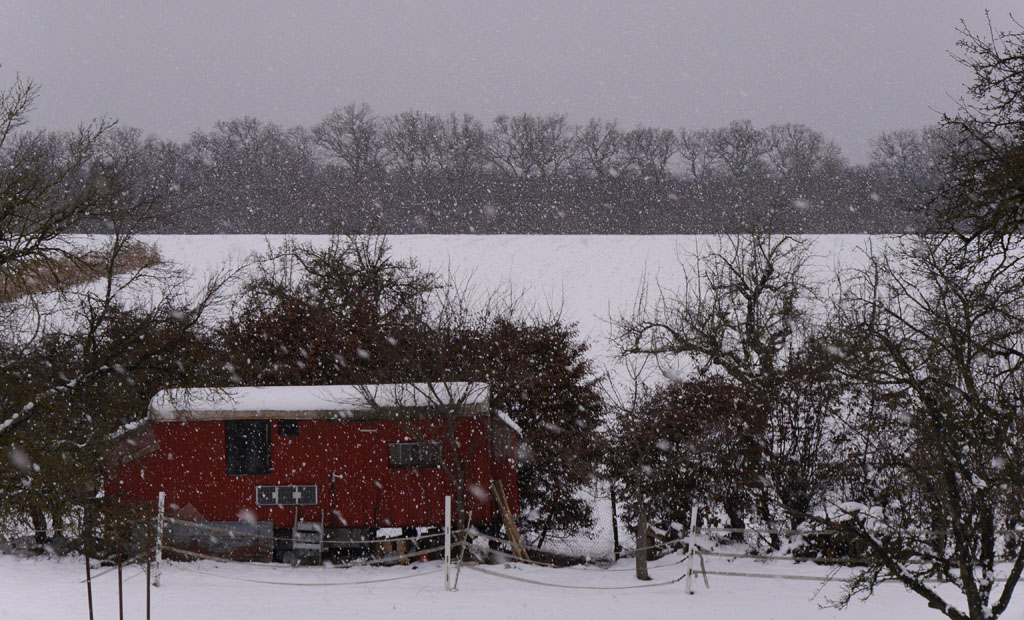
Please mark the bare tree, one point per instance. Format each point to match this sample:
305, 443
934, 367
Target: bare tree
248, 169
108, 346
16, 102
749, 310
649, 151
740, 147
982, 189
409, 140
900, 152
460, 147
96, 321
935, 329
699, 154
912, 159
796, 152
741, 308
527, 146
353, 135
50, 184
600, 149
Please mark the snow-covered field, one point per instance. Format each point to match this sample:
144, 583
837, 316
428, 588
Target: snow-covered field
42, 589
586, 278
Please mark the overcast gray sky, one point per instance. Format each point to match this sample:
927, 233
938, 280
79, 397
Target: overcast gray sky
850, 68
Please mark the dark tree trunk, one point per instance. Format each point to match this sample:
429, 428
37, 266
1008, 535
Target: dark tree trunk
766, 515
39, 526
641, 543
733, 511
57, 519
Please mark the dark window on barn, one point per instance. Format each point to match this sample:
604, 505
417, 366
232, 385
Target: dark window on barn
287, 427
247, 446
422, 454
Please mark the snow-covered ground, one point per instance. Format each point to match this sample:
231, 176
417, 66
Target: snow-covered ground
45, 589
586, 278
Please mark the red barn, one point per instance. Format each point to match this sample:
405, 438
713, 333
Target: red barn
332, 462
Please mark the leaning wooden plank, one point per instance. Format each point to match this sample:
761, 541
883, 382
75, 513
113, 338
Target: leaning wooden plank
518, 549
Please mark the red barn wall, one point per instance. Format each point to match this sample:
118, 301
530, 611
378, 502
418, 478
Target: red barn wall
189, 466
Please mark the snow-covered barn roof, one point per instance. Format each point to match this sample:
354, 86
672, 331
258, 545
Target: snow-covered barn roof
334, 402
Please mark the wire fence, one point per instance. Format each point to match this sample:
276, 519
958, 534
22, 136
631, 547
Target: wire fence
676, 554
609, 538
682, 557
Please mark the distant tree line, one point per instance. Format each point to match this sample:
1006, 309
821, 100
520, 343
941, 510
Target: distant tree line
417, 172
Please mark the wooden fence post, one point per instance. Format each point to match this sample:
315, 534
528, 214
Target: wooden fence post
447, 540
88, 573
693, 538
463, 542
120, 587
159, 551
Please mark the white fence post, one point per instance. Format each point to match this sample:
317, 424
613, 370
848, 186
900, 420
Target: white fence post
447, 540
159, 536
693, 538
